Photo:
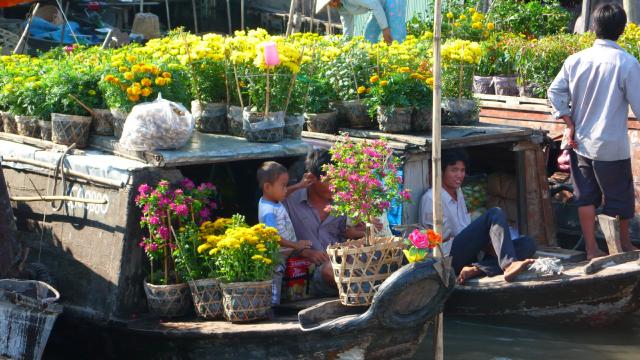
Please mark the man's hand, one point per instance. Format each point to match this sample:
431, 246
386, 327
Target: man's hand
354, 232
315, 256
303, 244
571, 131
386, 34
377, 224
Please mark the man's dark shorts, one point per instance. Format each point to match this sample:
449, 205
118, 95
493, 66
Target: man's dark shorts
613, 180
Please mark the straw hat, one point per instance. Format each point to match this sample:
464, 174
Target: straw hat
320, 4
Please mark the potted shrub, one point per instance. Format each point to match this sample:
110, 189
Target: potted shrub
245, 257
318, 95
193, 227
207, 69
421, 98
459, 57
389, 101
131, 80
170, 218
349, 69
364, 181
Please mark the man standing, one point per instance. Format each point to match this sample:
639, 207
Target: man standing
387, 16
598, 83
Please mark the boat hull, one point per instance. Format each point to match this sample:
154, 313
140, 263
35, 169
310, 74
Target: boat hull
596, 299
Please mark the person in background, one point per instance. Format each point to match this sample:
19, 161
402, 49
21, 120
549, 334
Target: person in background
592, 94
464, 239
387, 17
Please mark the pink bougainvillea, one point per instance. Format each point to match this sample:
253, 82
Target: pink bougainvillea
363, 178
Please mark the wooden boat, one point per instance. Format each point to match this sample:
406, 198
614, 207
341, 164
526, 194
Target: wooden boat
392, 327
595, 293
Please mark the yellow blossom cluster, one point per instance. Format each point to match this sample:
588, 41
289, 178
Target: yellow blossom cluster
461, 51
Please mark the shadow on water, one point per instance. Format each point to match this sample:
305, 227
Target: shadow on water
466, 338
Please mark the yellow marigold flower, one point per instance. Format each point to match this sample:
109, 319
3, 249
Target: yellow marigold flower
374, 79
136, 68
128, 75
145, 82
362, 90
160, 81
456, 24
214, 251
256, 257
477, 17
476, 25
204, 247
146, 92
266, 261
404, 69
134, 98
384, 83
490, 26
450, 15
166, 75
462, 17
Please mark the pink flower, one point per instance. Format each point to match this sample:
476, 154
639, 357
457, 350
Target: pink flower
163, 232
350, 161
154, 220
187, 184
144, 189
178, 192
213, 205
204, 213
163, 183
152, 247
405, 194
181, 209
371, 152
419, 239
385, 204
342, 173
142, 244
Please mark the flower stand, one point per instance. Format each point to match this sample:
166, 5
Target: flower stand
247, 301
207, 298
358, 269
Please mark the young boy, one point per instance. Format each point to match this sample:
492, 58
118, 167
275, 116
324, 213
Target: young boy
273, 179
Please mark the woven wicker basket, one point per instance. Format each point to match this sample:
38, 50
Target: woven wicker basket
322, 123
354, 114
45, 129
234, 121
70, 129
27, 126
9, 122
247, 301
269, 134
168, 300
396, 120
359, 269
207, 298
102, 122
210, 117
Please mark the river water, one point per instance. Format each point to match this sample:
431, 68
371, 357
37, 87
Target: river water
480, 339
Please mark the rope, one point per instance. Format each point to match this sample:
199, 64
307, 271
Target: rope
60, 168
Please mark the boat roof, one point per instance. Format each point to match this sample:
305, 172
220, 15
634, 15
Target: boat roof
452, 136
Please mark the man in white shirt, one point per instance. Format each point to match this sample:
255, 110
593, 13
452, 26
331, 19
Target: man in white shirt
463, 239
598, 83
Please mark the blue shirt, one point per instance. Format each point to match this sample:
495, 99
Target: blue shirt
350, 8
275, 215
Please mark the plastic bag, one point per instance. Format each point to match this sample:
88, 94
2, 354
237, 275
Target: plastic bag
157, 125
255, 121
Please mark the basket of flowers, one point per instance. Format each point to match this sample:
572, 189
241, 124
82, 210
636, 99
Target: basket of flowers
364, 181
245, 258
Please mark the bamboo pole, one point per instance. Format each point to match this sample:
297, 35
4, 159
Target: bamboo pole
436, 178
23, 39
292, 11
166, 6
195, 16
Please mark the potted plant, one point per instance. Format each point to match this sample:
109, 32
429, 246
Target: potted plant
349, 69
318, 94
459, 58
192, 227
131, 80
389, 101
207, 69
71, 94
364, 182
170, 218
245, 257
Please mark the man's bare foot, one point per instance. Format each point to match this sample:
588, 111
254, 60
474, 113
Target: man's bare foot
595, 254
467, 273
515, 268
630, 247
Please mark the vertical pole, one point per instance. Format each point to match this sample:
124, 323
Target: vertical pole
229, 17
292, 10
166, 5
313, 13
631, 7
23, 39
241, 14
329, 22
436, 179
195, 16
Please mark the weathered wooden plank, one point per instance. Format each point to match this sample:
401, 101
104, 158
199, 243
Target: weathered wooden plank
548, 223
512, 99
42, 144
534, 218
498, 105
516, 115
